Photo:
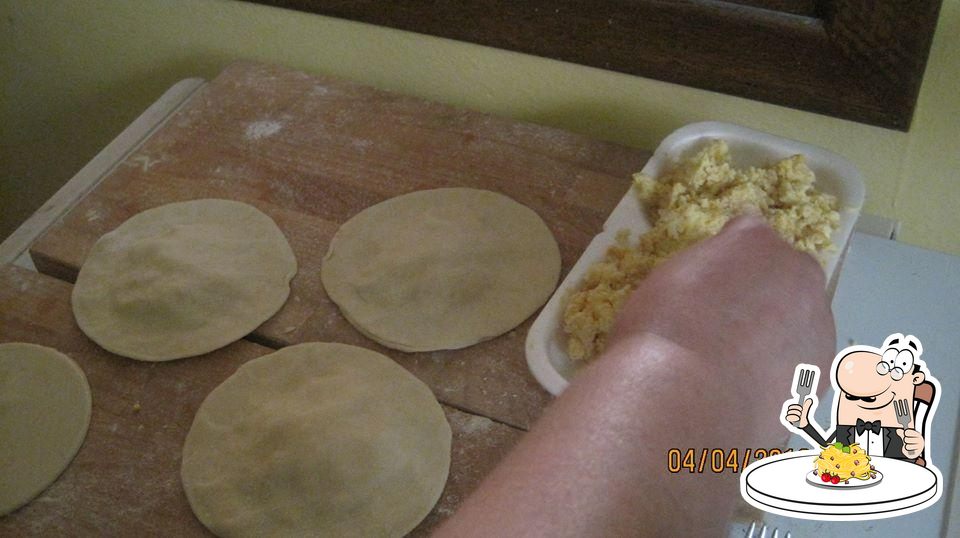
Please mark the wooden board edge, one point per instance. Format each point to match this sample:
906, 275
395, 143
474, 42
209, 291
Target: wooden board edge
84, 181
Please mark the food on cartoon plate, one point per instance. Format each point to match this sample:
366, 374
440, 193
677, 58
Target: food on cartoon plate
839, 464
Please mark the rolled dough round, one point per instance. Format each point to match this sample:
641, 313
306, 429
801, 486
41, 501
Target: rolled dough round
183, 279
44, 415
317, 440
441, 269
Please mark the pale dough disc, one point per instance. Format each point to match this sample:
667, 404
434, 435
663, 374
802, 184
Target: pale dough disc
317, 440
441, 269
44, 415
183, 279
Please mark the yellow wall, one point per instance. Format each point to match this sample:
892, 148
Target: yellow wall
75, 73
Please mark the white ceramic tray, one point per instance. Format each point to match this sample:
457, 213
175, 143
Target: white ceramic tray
546, 343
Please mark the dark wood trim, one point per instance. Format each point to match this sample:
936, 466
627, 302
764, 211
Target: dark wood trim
861, 60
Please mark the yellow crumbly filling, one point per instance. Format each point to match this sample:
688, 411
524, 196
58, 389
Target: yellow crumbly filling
688, 203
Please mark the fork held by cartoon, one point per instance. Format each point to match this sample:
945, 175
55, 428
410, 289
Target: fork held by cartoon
806, 379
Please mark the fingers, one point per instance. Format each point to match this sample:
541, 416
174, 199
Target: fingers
761, 233
749, 219
912, 442
797, 414
798, 410
911, 439
909, 435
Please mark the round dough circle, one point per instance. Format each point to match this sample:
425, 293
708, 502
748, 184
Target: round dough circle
317, 440
441, 269
183, 279
44, 416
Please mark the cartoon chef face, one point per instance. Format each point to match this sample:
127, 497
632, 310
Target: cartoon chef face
870, 382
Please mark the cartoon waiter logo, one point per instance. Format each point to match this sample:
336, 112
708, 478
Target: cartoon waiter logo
884, 397
875, 462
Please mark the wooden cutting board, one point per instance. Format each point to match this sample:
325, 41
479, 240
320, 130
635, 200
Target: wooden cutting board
125, 481
311, 152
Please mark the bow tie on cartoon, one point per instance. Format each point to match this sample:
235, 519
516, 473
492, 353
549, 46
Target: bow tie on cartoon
864, 426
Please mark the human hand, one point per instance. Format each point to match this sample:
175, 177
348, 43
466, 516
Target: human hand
744, 299
912, 442
797, 414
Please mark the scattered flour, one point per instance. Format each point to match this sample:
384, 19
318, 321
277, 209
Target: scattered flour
262, 129
19, 281
476, 424
144, 162
361, 144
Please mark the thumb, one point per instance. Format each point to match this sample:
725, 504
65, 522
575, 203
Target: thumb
806, 405
901, 432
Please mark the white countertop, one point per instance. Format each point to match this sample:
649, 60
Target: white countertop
889, 287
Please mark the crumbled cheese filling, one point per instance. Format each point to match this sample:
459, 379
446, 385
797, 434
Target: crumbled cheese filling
688, 203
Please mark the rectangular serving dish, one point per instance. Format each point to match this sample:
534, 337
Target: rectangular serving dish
546, 342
